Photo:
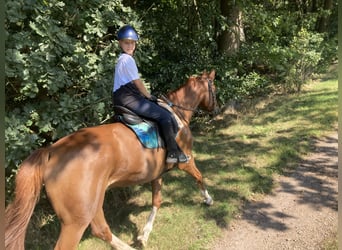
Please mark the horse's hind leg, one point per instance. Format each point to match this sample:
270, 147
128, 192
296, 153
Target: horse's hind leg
74, 216
191, 169
70, 236
101, 230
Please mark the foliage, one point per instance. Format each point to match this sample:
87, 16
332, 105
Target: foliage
304, 58
285, 45
178, 47
59, 69
281, 45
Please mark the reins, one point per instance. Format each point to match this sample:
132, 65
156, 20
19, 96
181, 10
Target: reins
171, 104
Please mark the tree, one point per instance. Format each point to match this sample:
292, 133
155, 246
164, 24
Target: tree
231, 30
322, 24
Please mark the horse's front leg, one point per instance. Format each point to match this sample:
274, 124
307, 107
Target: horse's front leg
191, 169
156, 202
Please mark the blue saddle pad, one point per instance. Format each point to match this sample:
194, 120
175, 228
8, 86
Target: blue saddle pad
147, 134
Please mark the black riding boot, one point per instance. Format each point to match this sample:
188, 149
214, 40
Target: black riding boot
174, 153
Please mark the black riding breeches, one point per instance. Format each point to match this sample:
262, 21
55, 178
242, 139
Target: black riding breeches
130, 97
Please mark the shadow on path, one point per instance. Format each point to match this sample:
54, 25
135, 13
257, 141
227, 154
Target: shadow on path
312, 183
301, 211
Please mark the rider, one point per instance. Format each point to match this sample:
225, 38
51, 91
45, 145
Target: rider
130, 92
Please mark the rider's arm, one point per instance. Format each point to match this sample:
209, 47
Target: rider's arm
139, 84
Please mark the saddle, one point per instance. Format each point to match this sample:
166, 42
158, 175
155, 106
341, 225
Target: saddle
146, 130
125, 115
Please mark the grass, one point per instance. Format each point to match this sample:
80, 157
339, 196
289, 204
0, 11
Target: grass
330, 243
239, 156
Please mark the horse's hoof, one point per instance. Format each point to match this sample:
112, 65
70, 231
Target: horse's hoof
142, 240
209, 201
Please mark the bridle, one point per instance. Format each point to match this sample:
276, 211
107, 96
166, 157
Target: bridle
212, 98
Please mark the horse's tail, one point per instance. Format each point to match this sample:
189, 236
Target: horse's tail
27, 191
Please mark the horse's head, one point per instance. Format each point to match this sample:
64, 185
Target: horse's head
208, 91
197, 92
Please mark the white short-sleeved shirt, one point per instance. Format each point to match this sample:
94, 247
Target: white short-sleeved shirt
126, 71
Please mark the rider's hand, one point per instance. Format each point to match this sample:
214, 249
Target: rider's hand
153, 98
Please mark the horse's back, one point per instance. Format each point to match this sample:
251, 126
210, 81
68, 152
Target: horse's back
110, 153
87, 149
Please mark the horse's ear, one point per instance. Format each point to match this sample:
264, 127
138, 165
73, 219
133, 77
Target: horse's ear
212, 74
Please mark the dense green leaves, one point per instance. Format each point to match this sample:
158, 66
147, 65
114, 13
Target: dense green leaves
60, 57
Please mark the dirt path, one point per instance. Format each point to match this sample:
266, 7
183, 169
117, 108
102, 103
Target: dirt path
301, 212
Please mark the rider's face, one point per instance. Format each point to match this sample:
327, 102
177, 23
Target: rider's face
127, 45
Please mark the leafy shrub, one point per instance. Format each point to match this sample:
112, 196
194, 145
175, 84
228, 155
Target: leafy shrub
304, 59
60, 57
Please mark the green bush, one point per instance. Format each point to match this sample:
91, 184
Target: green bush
304, 59
60, 57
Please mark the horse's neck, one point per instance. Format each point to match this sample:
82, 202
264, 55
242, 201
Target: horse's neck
186, 98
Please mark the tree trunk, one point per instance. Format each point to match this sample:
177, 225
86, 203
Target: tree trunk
230, 39
323, 21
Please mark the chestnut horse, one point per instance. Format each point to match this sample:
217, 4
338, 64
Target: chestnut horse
77, 169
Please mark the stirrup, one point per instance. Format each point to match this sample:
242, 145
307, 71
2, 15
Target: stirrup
182, 158
176, 158
172, 158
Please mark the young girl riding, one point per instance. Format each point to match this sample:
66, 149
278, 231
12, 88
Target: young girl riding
130, 92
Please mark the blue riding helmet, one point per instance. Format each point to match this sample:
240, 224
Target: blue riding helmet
127, 32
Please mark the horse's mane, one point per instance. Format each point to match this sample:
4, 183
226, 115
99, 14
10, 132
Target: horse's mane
190, 79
